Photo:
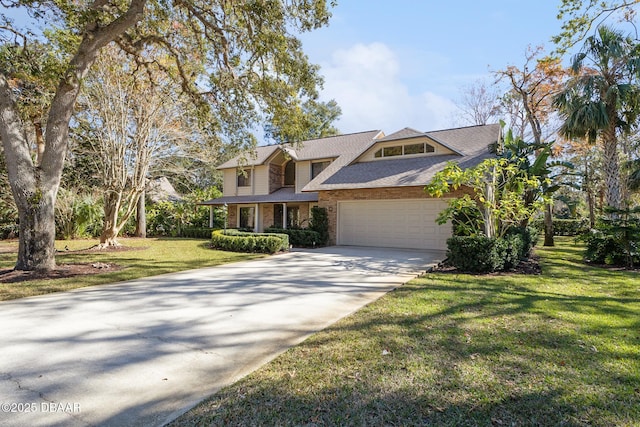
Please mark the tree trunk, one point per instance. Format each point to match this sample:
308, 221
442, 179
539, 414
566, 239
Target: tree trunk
39, 141
613, 195
489, 229
36, 250
141, 217
35, 188
548, 225
592, 208
110, 227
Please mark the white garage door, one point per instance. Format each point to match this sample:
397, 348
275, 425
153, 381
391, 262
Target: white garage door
393, 224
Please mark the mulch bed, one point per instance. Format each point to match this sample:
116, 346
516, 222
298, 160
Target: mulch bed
529, 266
62, 271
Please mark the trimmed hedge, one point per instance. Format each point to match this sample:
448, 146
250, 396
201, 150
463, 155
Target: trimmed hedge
565, 227
570, 227
481, 254
299, 237
196, 232
240, 241
476, 254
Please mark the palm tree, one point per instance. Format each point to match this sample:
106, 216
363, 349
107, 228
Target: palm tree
602, 98
533, 159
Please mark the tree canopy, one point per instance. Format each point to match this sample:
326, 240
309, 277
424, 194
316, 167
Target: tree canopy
240, 62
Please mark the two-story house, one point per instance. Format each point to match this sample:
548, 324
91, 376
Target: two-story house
371, 184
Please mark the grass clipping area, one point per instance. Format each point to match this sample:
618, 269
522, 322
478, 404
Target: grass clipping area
560, 348
137, 258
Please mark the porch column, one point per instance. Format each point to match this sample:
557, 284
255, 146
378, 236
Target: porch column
256, 219
210, 216
284, 216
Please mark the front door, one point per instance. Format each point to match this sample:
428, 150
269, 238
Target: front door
278, 210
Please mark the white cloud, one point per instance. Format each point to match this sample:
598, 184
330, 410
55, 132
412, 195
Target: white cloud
366, 82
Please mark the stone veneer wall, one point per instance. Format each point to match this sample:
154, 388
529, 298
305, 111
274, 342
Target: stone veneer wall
329, 200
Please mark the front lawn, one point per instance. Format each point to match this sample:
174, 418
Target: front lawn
562, 348
148, 257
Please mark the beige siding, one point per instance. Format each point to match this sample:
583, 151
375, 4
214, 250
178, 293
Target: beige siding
229, 182
261, 179
368, 155
303, 175
244, 191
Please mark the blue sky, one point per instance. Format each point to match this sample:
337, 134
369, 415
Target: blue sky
393, 64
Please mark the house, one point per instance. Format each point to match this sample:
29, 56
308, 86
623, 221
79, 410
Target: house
371, 184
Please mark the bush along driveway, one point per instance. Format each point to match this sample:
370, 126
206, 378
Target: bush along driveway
560, 348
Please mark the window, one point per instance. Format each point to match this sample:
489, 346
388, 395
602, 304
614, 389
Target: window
318, 167
404, 150
392, 151
290, 174
414, 149
247, 217
244, 179
293, 217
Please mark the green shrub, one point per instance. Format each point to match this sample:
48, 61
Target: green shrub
606, 249
528, 236
320, 224
239, 241
197, 232
510, 248
481, 254
616, 239
570, 227
298, 237
476, 254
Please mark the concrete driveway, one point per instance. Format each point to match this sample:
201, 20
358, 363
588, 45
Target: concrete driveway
140, 353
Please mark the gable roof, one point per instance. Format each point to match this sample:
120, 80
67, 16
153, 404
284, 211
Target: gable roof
321, 148
402, 134
470, 146
467, 140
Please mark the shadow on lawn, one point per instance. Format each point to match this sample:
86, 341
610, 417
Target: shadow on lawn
274, 403
457, 350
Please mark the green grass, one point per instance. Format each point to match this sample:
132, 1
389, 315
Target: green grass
154, 256
562, 348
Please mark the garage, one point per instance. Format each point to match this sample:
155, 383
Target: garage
392, 223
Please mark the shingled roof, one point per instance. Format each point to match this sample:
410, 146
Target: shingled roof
470, 146
321, 148
283, 195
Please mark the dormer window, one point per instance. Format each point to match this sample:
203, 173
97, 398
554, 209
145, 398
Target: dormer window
404, 150
318, 167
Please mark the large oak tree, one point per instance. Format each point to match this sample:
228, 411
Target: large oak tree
239, 60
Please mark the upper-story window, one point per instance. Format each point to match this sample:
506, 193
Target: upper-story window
290, 173
244, 179
318, 167
404, 150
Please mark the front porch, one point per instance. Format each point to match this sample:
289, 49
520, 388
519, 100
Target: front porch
281, 209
